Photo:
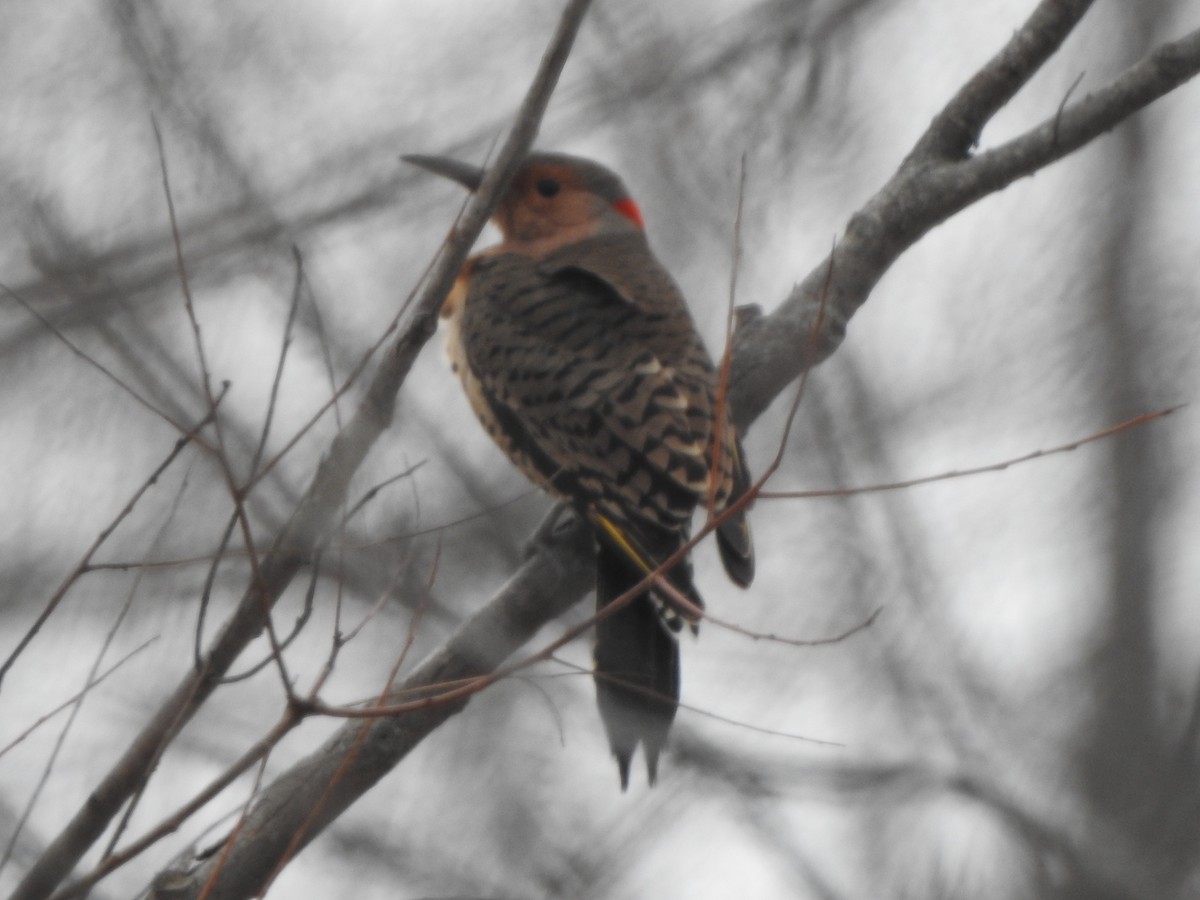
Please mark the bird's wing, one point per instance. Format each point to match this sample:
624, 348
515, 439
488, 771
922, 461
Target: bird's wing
617, 264
574, 379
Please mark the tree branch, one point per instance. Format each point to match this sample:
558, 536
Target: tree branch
956, 129
927, 189
315, 791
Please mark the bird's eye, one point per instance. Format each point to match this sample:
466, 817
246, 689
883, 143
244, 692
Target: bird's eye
547, 187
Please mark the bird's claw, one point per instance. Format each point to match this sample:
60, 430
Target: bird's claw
552, 530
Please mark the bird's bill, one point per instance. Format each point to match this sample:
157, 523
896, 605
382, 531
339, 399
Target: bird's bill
465, 174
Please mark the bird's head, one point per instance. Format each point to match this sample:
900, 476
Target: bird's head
553, 198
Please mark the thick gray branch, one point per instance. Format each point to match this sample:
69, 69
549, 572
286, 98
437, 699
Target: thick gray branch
927, 189
956, 129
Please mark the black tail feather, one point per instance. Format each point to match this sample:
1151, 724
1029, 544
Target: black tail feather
637, 663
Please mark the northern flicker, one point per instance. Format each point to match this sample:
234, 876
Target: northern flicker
579, 356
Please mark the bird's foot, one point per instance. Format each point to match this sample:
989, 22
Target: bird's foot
559, 526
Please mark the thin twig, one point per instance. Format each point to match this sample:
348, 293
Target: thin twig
85, 561
256, 753
284, 345
94, 363
298, 838
1135, 422
94, 683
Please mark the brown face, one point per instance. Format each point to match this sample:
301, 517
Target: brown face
553, 199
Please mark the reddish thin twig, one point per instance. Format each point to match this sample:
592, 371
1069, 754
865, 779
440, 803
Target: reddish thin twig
1134, 422
95, 682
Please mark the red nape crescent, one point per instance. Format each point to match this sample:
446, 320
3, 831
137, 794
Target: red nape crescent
630, 210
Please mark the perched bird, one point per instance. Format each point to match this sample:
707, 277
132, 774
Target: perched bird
579, 356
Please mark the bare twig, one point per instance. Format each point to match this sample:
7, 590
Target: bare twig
1135, 422
256, 753
237, 492
92, 684
284, 345
301, 836
84, 563
91, 361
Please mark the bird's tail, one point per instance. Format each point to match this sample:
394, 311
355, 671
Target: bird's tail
637, 657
